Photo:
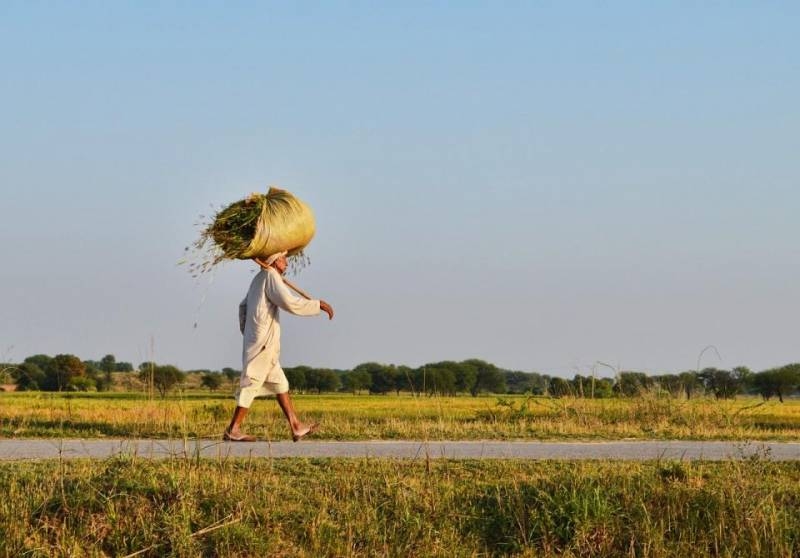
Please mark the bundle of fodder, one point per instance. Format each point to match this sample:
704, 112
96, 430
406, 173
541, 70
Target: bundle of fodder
256, 227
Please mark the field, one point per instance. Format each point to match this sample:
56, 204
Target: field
368, 507
348, 417
296, 507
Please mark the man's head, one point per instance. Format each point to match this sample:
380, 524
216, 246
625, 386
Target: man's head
278, 261
281, 264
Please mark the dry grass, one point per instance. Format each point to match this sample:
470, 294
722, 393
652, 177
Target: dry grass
347, 417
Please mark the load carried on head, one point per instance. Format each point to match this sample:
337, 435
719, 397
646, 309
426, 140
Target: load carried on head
256, 227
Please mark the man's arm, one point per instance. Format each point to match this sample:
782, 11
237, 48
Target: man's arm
279, 294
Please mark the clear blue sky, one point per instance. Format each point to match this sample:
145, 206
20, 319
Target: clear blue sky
540, 184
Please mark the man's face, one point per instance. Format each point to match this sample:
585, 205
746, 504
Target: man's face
281, 264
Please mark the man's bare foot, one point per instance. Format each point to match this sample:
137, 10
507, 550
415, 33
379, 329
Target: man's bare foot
237, 436
304, 431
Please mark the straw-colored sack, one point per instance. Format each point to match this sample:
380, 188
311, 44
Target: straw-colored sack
255, 227
286, 224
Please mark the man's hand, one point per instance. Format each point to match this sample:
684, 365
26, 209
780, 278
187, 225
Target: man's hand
327, 308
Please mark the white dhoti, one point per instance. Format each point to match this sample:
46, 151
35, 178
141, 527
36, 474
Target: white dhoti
274, 382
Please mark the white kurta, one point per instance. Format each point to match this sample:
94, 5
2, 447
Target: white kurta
261, 326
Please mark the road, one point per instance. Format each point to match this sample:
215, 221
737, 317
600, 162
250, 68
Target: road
15, 449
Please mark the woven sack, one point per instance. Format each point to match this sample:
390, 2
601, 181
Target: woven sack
285, 224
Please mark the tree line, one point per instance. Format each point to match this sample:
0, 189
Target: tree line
67, 372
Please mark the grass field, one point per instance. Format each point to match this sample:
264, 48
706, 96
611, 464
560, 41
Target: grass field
186, 507
348, 417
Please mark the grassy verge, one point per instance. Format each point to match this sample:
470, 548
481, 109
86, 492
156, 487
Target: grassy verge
347, 417
399, 508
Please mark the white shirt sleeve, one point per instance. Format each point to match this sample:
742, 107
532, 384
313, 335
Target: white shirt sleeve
279, 294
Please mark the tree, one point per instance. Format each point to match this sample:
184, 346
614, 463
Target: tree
777, 381
123, 367
356, 380
603, 387
466, 376
559, 387
297, 377
82, 383
690, 382
28, 376
631, 384
403, 379
525, 382
322, 379
722, 383
165, 377
91, 379
211, 380
489, 378
382, 377
440, 379
108, 364
231, 373
61, 372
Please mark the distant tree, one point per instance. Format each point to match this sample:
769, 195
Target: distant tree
382, 377
356, 380
632, 384
211, 380
28, 376
689, 382
297, 377
603, 387
123, 367
232, 374
92, 379
525, 382
43, 362
403, 379
489, 378
147, 372
108, 364
146, 366
581, 386
466, 376
62, 371
322, 379
723, 384
328, 381
777, 381
440, 379
559, 387
82, 383
165, 377
744, 376
669, 383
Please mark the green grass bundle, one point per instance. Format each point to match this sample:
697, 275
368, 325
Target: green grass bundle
257, 226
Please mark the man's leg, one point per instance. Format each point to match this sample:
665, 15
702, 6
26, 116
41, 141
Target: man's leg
299, 429
234, 433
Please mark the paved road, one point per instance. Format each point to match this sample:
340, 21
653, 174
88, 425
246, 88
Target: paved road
625, 450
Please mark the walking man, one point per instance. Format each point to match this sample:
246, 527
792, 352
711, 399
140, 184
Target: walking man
259, 321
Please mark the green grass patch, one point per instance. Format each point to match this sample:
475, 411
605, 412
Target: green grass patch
297, 507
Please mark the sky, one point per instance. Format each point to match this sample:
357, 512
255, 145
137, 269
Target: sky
544, 185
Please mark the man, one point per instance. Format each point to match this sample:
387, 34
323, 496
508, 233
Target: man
259, 321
